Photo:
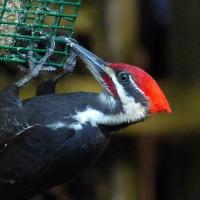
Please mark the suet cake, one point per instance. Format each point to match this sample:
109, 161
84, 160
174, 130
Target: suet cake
8, 16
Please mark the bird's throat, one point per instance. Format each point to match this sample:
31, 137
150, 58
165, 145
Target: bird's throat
108, 112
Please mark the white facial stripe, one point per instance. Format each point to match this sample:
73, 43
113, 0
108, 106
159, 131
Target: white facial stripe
95, 117
133, 110
136, 87
107, 100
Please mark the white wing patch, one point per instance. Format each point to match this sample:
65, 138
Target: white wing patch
76, 126
56, 125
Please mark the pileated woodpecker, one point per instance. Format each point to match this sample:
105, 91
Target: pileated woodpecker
49, 139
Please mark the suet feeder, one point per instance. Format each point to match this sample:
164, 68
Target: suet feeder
26, 24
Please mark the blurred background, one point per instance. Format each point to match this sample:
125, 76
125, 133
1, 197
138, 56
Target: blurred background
158, 159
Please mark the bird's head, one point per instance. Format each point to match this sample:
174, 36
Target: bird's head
135, 88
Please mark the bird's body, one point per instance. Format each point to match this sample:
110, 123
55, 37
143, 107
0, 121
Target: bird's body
51, 138
36, 147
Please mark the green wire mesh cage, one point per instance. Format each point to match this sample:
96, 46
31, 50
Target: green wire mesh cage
27, 23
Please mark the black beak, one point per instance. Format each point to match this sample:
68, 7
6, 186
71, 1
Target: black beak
96, 65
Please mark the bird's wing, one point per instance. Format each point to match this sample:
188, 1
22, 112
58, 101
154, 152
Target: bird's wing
23, 155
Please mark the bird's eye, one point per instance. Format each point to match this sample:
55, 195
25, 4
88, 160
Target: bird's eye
123, 76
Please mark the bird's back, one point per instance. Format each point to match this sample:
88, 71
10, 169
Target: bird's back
56, 105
